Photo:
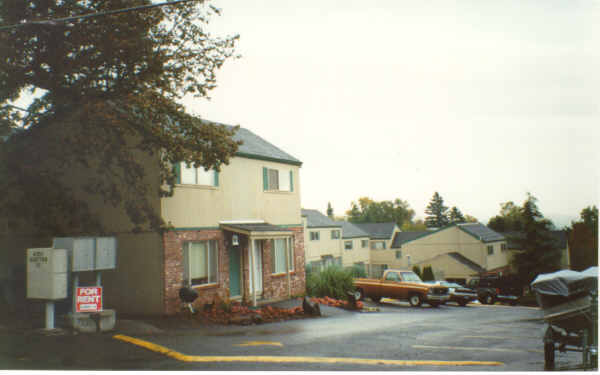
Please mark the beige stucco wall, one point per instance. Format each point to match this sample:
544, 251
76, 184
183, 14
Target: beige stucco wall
446, 267
386, 256
453, 239
314, 250
357, 254
239, 196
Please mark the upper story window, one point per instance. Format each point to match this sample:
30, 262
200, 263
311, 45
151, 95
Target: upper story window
335, 234
503, 247
377, 245
278, 179
490, 249
315, 236
364, 243
348, 245
197, 176
398, 254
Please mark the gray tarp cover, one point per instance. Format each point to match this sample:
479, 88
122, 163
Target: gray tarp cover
557, 283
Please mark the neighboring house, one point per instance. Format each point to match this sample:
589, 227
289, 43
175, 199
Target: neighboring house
558, 237
457, 251
356, 246
381, 236
322, 240
236, 234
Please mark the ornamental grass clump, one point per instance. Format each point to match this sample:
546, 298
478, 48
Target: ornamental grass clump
333, 281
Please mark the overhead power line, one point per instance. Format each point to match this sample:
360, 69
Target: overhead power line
56, 21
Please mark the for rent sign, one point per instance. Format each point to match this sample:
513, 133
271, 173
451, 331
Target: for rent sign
89, 299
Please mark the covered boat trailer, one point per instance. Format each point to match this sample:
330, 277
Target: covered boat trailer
570, 307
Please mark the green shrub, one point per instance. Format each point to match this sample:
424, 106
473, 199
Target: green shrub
357, 271
427, 274
332, 282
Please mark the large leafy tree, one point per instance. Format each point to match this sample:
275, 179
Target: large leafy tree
437, 216
330, 211
509, 219
583, 239
107, 91
370, 211
539, 253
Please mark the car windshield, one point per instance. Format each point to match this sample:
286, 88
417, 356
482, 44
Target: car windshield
410, 276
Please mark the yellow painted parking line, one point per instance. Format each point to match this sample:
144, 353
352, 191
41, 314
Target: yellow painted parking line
284, 359
475, 349
260, 343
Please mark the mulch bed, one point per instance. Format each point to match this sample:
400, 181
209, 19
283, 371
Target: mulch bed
235, 313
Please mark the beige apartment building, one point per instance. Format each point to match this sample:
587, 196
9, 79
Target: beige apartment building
322, 240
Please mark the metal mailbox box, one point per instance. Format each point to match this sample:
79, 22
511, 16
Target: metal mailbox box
89, 253
47, 273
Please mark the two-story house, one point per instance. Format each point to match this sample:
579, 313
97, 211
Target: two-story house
235, 234
355, 242
456, 252
322, 240
381, 235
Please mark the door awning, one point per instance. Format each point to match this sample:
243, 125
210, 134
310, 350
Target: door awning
257, 230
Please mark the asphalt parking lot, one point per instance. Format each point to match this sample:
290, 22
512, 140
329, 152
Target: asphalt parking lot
397, 338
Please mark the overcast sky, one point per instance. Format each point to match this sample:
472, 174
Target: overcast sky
482, 101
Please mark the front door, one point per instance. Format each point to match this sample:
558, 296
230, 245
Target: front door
256, 272
234, 272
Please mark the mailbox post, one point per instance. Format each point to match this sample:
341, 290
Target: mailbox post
47, 278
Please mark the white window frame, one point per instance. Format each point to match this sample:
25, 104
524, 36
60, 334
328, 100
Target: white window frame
200, 175
364, 243
503, 247
284, 179
335, 234
315, 235
289, 247
490, 250
346, 245
398, 254
375, 243
212, 246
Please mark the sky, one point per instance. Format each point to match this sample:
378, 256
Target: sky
481, 101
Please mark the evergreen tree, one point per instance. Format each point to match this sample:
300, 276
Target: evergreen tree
417, 270
540, 254
583, 240
329, 210
428, 274
436, 211
455, 216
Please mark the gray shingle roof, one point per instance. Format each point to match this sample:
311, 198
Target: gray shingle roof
257, 227
350, 230
402, 237
466, 261
380, 231
315, 219
255, 147
481, 232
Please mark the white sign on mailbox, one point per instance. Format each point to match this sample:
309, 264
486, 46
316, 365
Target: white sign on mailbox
47, 273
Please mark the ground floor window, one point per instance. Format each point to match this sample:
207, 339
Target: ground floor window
279, 247
348, 245
200, 262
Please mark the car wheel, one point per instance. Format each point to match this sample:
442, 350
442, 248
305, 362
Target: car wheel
415, 300
376, 299
514, 303
358, 295
462, 303
434, 304
489, 299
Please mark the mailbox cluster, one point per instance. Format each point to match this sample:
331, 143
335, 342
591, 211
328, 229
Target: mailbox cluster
48, 271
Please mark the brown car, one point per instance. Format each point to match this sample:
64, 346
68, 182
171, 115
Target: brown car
402, 285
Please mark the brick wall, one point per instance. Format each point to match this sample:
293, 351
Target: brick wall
173, 267
274, 286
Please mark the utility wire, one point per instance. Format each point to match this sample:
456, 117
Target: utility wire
56, 21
